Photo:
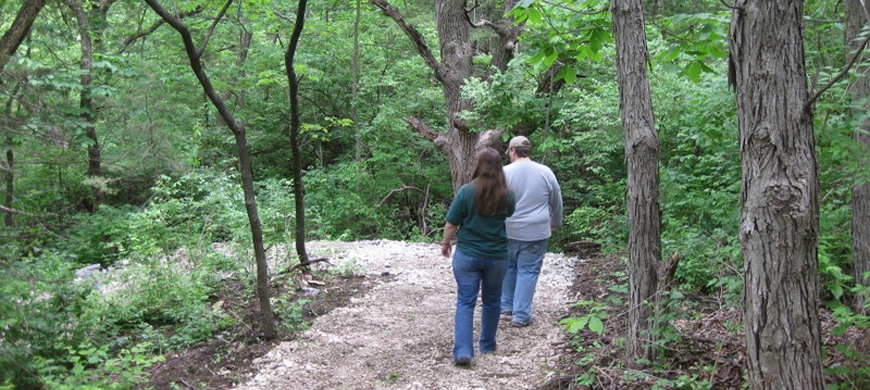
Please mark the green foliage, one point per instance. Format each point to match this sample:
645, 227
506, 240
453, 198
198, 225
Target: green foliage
855, 372
672, 306
683, 382
91, 234
94, 367
560, 32
167, 291
692, 43
504, 100
291, 313
43, 312
594, 320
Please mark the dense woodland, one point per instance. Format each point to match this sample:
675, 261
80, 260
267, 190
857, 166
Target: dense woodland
718, 148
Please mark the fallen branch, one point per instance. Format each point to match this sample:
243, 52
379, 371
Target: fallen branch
305, 264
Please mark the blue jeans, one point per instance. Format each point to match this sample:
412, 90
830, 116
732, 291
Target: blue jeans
525, 259
475, 275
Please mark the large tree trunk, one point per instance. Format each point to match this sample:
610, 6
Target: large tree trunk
295, 126
779, 222
86, 104
194, 55
642, 159
454, 36
856, 19
13, 37
458, 143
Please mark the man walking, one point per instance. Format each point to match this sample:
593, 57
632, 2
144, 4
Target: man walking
538, 211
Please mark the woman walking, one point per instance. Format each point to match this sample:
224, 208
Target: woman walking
477, 214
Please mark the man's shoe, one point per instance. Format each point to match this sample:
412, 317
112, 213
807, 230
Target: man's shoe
463, 361
506, 315
515, 324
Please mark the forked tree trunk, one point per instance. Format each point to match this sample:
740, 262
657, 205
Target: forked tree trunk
856, 19
642, 160
779, 222
194, 55
459, 143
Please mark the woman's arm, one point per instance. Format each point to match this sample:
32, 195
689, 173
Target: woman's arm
449, 231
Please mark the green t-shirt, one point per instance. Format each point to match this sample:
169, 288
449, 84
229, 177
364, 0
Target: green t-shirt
479, 236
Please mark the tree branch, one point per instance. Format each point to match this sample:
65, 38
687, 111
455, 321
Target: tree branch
730, 6
840, 75
154, 27
557, 5
487, 138
483, 22
409, 30
212, 27
439, 139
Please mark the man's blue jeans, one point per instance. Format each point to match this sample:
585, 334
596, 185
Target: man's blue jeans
525, 259
475, 275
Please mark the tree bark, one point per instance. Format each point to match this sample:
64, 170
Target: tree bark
856, 19
13, 37
642, 159
86, 104
194, 55
779, 222
295, 126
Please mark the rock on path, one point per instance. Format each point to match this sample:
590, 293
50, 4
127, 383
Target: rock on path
400, 335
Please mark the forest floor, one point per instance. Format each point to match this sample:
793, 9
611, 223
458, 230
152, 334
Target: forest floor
382, 318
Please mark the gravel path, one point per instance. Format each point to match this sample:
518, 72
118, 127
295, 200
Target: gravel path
399, 335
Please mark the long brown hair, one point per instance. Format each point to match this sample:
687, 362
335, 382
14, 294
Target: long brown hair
491, 190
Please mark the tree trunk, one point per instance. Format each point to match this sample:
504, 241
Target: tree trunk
193, 54
6, 124
9, 216
856, 19
295, 126
354, 86
20, 28
9, 219
642, 159
86, 104
779, 221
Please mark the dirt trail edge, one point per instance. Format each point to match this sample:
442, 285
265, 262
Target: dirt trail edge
400, 334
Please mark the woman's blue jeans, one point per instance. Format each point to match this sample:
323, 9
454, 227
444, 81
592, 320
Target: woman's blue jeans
525, 259
475, 275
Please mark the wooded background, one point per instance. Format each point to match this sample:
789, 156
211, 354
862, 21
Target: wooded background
719, 147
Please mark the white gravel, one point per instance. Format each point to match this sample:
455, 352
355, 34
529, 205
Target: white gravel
400, 334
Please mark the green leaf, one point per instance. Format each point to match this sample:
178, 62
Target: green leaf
574, 324
596, 325
568, 74
693, 71
548, 62
535, 16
